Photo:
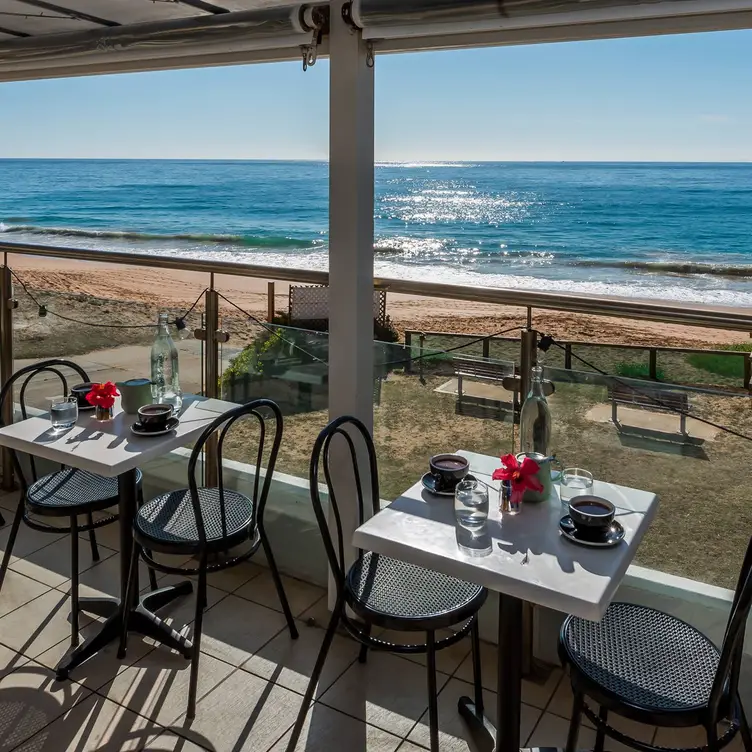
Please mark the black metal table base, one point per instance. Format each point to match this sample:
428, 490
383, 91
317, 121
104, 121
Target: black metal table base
141, 620
505, 737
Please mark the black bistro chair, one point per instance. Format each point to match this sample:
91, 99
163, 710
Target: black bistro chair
385, 592
208, 523
69, 493
643, 664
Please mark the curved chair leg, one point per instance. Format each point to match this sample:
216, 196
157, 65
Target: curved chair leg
712, 733
93, 538
363, 654
316, 674
74, 580
197, 627
278, 584
122, 648
2, 520
600, 734
11, 540
574, 724
744, 727
433, 700
477, 678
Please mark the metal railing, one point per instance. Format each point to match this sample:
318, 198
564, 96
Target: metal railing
420, 336
212, 336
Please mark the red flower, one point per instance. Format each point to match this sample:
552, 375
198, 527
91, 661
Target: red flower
522, 476
103, 395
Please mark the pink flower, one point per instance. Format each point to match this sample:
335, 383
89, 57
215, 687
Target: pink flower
522, 476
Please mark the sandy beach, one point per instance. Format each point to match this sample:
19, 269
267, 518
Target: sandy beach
137, 292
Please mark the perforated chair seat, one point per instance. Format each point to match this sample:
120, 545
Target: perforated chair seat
394, 594
70, 491
641, 661
167, 523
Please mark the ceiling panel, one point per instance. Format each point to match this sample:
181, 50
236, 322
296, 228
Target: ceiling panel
28, 19
131, 11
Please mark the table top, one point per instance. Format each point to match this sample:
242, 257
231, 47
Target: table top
109, 448
420, 528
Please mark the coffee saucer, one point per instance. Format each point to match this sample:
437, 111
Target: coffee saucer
606, 537
171, 425
429, 483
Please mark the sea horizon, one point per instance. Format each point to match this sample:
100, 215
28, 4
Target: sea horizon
674, 231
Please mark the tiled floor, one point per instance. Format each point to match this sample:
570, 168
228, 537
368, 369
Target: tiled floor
252, 675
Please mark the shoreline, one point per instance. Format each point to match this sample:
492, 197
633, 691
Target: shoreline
176, 288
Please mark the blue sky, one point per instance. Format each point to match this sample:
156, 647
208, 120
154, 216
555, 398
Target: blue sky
679, 98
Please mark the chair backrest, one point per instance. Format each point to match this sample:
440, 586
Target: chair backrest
24, 376
729, 667
262, 411
354, 434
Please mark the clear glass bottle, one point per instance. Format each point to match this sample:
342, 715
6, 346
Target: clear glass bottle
165, 373
535, 418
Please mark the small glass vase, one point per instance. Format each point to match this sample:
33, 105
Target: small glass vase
103, 413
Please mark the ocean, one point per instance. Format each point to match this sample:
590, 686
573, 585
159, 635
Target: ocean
681, 232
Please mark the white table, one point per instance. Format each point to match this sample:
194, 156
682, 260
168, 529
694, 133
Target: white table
420, 528
110, 449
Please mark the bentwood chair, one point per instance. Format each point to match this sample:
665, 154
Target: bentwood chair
645, 665
208, 523
381, 591
67, 493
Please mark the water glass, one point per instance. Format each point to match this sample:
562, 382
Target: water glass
574, 481
63, 412
471, 503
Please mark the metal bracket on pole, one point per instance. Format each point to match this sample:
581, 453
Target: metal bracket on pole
7, 305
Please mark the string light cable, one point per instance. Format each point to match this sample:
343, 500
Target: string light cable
43, 310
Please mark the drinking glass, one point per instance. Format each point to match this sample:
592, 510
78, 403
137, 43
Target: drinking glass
63, 412
574, 481
471, 503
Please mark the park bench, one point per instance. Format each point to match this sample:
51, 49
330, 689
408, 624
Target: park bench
649, 397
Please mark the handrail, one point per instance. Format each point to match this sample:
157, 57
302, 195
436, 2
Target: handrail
647, 310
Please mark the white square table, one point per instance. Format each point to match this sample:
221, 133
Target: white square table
522, 557
110, 449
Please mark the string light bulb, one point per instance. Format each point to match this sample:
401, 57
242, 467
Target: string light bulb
183, 331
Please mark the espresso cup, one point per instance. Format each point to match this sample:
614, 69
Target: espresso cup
79, 391
591, 513
448, 470
154, 417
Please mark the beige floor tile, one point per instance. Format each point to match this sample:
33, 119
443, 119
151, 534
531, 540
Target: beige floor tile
454, 734
18, 590
447, 660
27, 541
182, 611
300, 595
157, 685
93, 725
290, 662
10, 660
102, 667
410, 747
231, 579
552, 730
244, 713
536, 691
168, 742
326, 730
388, 692
30, 700
104, 579
39, 625
51, 564
235, 629
561, 702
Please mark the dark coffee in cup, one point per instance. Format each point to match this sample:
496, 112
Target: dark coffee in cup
448, 470
154, 417
591, 513
79, 391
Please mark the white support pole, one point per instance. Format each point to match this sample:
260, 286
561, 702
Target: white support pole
351, 197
